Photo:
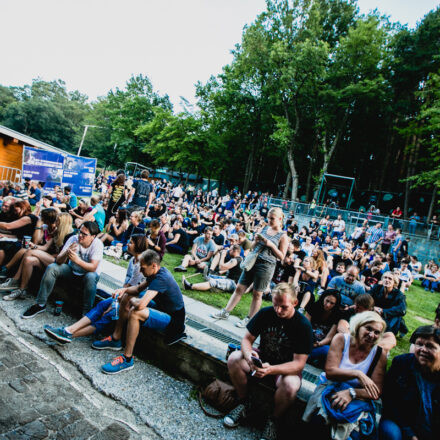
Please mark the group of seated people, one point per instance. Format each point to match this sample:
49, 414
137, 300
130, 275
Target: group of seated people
337, 303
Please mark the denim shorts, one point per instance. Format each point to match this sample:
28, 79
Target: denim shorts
261, 274
157, 320
221, 283
98, 319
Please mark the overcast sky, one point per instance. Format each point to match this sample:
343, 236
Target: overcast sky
96, 45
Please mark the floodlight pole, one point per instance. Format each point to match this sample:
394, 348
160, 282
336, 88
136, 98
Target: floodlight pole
86, 127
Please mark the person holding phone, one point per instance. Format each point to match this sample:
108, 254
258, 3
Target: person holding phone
286, 340
271, 245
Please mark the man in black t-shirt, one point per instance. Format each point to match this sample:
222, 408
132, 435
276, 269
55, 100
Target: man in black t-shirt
141, 194
286, 341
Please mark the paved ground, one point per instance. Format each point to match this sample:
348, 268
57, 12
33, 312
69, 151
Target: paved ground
52, 391
42, 396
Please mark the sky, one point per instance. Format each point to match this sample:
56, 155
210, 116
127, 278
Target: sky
97, 45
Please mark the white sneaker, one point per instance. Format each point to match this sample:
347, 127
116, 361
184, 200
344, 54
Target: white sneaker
243, 323
221, 314
15, 294
9, 284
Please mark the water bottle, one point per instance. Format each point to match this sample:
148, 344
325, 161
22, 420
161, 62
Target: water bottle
115, 307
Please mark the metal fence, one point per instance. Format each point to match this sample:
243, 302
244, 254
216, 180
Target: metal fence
355, 218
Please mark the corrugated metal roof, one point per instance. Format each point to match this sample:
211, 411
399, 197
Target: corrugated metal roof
30, 141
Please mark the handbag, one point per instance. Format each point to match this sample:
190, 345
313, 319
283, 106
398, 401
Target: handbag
219, 395
248, 263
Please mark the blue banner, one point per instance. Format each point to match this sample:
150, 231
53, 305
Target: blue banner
79, 174
43, 166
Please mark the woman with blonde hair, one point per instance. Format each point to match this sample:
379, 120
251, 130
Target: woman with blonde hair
321, 266
269, 246
354, 375
38, 257
305, 278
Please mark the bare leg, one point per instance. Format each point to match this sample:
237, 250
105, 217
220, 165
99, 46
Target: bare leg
305, 300
236, 297
287, 388
388, 341
238, 369
78, 325
85, 331
215, 261
39, 259
186, 260
16, 258
257, 298
202, 286
123, 315
2, 257
134, 323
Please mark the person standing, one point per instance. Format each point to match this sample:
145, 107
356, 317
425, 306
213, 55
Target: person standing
270, 245
141, 194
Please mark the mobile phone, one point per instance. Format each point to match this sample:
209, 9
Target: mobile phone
257, 362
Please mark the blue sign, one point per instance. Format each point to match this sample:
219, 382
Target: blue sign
79, 174
43, 166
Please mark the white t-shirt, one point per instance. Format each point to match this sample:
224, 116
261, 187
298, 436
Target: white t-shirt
338, 225
93, 252
405, 275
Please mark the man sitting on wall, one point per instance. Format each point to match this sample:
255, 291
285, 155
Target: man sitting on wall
285, 343
156, 303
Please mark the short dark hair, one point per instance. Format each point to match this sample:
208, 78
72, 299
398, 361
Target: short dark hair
155, 224
295, 242
67, 189
145, 174
49, 216
149, 257
140, 242
364, 300
92, 227
208, 229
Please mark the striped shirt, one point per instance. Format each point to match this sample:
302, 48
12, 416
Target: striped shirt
375, 234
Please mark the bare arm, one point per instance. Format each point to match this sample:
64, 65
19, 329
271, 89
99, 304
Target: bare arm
23, 221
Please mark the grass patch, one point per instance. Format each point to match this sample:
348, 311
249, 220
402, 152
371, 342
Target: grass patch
420, 304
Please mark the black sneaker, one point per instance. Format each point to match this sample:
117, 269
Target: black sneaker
235, 417
33, 311
186, 284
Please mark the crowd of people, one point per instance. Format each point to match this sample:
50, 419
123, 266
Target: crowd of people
338, 299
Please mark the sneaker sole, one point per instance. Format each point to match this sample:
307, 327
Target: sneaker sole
185, 336
117, 372
5, 298
35, 314
219, 317
108, 348
58, 338
7, 289
230, 426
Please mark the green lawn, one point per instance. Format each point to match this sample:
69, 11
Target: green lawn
421, 304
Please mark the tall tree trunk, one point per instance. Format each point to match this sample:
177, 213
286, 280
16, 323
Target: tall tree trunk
431, 205
249, 171
287, 185
309, 174
294, 173
412, 159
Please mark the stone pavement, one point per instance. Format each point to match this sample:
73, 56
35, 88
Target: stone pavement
43, 397
145, 397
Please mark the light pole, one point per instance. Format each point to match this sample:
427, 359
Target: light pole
86, 127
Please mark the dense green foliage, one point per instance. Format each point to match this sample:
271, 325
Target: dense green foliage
313, 87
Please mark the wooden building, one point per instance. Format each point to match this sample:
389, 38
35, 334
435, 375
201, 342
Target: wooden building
11, 152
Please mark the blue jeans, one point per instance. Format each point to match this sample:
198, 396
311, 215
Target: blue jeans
431, 285
346, 300
318, 356
388, 430
56, 272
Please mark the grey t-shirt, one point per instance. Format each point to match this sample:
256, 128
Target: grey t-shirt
350, 290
